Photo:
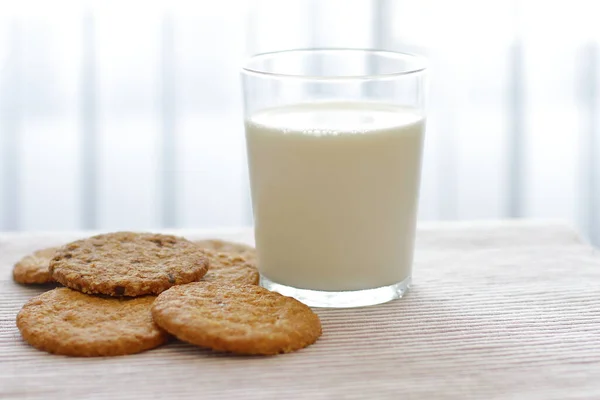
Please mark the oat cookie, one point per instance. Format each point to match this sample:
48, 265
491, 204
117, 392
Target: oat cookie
229, 268
64, 321
33, 269
128, 264
245, 319
224, 246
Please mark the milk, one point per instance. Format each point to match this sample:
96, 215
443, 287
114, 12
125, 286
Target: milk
334, 192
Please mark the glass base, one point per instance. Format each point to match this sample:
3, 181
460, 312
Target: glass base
347, 299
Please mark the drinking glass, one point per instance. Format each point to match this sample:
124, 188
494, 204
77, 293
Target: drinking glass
334, 139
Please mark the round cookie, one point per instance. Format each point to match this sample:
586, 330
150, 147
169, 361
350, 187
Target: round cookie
245, 319
227, 268
223, 246
67, 322
128, 264
33, 269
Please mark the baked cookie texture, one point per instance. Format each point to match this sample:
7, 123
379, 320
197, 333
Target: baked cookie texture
67, 322
244, 319
224, 246
34, 268
128, 264
228, 268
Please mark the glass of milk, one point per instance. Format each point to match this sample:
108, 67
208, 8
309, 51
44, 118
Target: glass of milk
334, 140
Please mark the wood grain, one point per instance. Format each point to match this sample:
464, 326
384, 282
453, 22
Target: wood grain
499, 310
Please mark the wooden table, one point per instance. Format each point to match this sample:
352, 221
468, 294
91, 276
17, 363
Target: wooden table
499, 310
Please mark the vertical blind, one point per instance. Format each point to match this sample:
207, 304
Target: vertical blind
515, 109
129, 117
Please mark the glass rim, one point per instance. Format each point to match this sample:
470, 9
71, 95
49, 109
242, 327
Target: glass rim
421, 64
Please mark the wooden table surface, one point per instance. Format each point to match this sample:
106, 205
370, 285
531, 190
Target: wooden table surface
498, 310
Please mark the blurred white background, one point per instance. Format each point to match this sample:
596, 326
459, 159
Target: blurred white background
127, 115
